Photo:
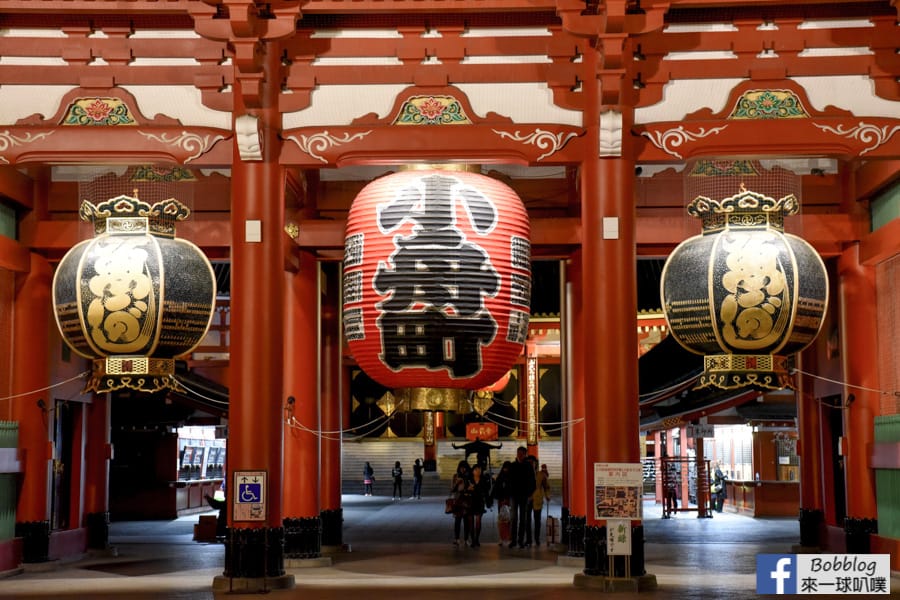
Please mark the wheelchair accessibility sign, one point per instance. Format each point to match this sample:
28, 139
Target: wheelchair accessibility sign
249, 495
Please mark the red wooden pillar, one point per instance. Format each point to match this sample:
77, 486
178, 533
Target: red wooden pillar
859, 356
609, 254
97, 454
575, 483
31, 323
809, 448
31, 318
254, 546
301, 412
331, 404
610, 344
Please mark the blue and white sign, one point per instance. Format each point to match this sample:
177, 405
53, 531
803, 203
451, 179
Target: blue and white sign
249, 495
867, 574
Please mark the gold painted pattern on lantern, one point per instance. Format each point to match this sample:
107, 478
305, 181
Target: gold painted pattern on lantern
690, 318
755, 314
122, 313
740, 362
127, 225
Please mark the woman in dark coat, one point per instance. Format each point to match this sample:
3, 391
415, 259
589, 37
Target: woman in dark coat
368, 479
479, 488
459, 491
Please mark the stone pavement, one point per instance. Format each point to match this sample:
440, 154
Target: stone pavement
404, 548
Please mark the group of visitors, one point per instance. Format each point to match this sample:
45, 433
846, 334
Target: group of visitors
397, 479
520, 489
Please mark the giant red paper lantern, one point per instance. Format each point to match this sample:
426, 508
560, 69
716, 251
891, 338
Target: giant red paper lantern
437, 279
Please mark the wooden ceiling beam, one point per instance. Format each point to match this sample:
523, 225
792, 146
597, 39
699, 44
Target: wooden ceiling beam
17, 187
874, 176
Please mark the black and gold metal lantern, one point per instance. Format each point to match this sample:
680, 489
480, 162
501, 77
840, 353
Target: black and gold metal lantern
743, 293
134, 297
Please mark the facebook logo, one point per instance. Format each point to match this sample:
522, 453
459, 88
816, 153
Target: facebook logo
776, 574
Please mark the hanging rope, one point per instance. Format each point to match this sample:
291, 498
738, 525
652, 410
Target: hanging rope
845, 384
49, 387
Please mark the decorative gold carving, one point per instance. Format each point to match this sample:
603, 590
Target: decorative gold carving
673, 138
482, 401
190, 142
864, 132
140, 373
319, 142
443, 399
293, 230
732, 371
745, 209
128, 214
543, 139
7, 140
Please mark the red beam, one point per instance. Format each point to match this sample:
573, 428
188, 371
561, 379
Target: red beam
660, 234
17, 187
874, 175
881, 245
14, 256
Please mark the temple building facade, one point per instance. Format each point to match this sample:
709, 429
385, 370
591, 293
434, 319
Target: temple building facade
191, 295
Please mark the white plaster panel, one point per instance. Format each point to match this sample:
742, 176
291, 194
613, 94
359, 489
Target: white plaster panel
495, 32
340, 104
849, 92
32, 33
684, 96
178, 102
521, 59
521, 102
20, 101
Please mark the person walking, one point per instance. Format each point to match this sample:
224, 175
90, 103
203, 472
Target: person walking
459, 491
418, 468
718, 488
521, 486
479, 488
500, 493
541, 493
397, 474
368, 478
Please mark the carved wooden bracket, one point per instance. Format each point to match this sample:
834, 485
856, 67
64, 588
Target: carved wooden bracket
246, 26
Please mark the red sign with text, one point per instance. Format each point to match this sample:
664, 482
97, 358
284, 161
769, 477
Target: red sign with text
481, 431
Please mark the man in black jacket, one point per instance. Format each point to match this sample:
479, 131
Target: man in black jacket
521, 486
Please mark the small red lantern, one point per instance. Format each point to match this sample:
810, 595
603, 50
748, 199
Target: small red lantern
437, 279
